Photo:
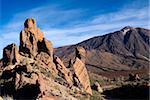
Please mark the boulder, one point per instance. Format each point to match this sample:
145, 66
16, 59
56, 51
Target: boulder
10, 55
96, 86
137, 77
134, 77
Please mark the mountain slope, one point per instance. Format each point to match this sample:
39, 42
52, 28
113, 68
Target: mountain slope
125, 49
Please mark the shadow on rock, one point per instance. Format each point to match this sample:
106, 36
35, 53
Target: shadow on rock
29, 91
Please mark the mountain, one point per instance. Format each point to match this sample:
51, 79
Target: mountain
126, 49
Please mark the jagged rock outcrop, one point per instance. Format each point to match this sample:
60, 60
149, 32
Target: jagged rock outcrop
32, 40
81, 53
45, 60
34, 45
63, 71
31, 82
34, 72
10, 55
81, 77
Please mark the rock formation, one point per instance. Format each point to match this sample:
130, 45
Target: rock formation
34, 45
63, 71
81, 77
10, 55
32, 40
34, 72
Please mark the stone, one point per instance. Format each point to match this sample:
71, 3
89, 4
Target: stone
28, 43
81, 53
134, 77
34, 45
137, 77
48, 98
80, 72
29, 37
10, 55
45, 46
96, 86
63, 71
41, 83
45, 60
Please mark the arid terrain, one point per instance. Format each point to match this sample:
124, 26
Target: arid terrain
112, 66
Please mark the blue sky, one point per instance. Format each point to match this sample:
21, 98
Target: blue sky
67, 22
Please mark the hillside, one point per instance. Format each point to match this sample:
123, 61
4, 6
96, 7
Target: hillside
126, 49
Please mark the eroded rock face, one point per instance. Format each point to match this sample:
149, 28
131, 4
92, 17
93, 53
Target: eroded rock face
63, 71
45, 46
10, 55
34, 72
34, 45
81, 53
47, 61
81, 77
32, 40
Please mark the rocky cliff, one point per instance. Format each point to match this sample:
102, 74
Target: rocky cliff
35, 72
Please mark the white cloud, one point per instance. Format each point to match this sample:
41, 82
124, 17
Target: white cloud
123, 15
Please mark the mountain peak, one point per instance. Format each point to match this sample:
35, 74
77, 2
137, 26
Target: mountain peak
104, 51
126, 29
30, 23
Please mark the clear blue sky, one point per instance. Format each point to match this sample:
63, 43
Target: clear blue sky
67, 22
